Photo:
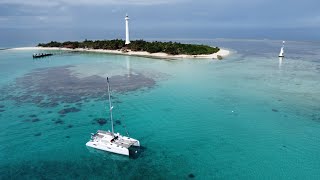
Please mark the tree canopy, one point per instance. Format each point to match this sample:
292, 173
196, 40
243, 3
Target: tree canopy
172, 48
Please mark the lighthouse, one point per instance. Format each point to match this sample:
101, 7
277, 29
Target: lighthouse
127, 30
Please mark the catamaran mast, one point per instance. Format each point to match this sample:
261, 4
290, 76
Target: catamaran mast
111, 107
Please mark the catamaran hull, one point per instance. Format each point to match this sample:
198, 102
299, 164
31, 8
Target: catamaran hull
114, 148
137, 143
110, 148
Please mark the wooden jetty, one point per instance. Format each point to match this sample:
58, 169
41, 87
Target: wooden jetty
40, 55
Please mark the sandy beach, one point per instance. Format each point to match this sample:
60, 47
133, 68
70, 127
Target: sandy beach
221, 52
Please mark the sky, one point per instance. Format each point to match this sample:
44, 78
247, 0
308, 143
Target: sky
24, 22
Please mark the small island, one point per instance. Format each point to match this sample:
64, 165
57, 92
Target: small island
154, 49
172, 48
140, 48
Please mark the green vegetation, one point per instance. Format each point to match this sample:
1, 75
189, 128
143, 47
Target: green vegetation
172, 48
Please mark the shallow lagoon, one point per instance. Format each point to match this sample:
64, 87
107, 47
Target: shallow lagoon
248, 116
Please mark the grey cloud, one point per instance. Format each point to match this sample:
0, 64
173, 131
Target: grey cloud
53, 3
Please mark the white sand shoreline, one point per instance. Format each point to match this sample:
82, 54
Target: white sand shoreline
221, 52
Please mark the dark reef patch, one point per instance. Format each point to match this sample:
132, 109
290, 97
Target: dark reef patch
78, 104
68, 137
191, 175
117, 102
48, 104
2, 106
35, 120
38, 99
167, 109
37, 134
2, 110
101, 121
70, 126
118, 122
49, 87
69, 110
89, 167
275, 110
59, 121
315, 117
33, 116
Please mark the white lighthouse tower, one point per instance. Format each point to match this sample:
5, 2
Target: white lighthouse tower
127, 30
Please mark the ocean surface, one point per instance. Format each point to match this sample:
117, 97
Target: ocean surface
249, 116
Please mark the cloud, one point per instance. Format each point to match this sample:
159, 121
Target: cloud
43, 3
34, 21
53, 3
4, 19
312, 21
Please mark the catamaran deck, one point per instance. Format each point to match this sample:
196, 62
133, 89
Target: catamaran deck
123, 141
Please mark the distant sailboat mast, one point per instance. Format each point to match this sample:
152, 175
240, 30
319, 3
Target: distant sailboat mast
281, 54
110, 106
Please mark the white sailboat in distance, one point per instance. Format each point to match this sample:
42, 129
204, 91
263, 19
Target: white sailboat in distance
281, 54
110, 141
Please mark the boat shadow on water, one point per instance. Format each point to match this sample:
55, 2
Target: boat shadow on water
134, 153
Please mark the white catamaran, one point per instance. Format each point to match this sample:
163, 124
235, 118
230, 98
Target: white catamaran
110, 141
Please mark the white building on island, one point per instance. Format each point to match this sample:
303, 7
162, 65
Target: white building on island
127, 30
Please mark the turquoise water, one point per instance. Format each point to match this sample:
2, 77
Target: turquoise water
250, 116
